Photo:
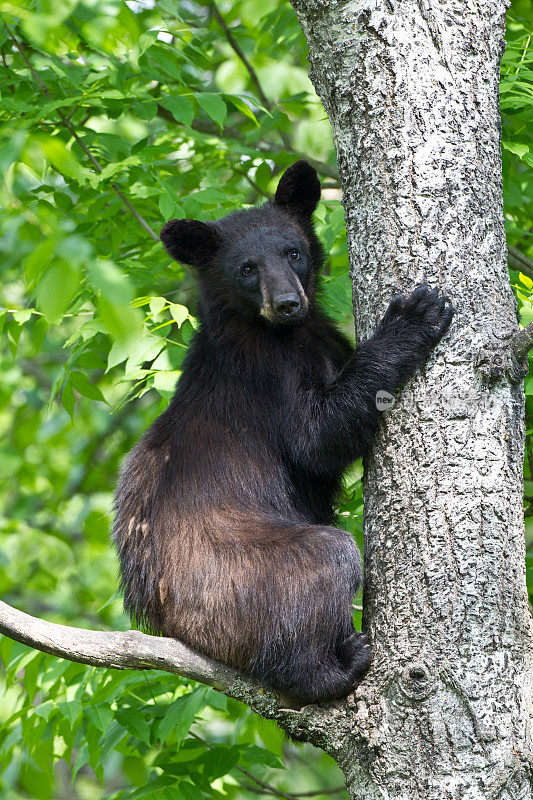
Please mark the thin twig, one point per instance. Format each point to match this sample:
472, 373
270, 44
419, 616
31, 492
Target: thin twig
267, 787
251, 71
317, 792
252, 183
66, 122
236, 47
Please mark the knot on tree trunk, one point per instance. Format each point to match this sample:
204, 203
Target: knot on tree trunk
416, 682
500, 360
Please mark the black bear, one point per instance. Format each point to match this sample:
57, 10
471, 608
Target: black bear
224, 510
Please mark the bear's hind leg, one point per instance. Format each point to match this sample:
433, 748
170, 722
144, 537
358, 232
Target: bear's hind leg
314, 677
315, 655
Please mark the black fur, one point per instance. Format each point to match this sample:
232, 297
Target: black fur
224, 510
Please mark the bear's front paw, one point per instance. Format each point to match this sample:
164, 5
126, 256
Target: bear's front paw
424, 316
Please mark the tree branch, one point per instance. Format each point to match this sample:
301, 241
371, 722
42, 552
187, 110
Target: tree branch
136, 650
114, 649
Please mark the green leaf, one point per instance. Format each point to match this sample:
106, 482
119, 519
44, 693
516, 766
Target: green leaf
114, 285
100, 715
44, 709
179, 716
164, 60
179, 313
152, 788
189, 791
214, 106
157, 304
180, 107
56, 289
219, 761
22, 316
146, 40
120, 318
242, 106
145, 109
63, 160
38, 259
516, 148
109, 741
144, 348
81, 383
71, 710
119, 352
252, 754
68, 399
114, 169
169, 207
133, 720
165, 382
82, 758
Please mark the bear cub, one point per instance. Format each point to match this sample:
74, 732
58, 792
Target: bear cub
224, 510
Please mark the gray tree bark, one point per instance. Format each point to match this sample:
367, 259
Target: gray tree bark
411, 90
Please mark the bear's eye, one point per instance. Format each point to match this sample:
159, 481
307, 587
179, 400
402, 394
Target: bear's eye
248, 268
294, 254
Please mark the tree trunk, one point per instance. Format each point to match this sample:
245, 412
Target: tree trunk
411, 90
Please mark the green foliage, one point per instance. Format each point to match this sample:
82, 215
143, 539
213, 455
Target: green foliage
115, 117
517, 150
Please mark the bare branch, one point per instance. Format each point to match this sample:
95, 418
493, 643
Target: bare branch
136, 650
114, 649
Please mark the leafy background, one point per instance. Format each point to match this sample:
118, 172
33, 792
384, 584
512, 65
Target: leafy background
115, 117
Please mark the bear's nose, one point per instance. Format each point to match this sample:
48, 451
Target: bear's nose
286, 304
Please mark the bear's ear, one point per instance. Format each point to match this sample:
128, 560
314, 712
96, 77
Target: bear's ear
299, 189
190, 241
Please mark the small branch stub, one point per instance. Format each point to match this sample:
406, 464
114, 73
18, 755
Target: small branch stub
500, 360
522, 344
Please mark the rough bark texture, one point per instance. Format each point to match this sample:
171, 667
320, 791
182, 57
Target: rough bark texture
411, 89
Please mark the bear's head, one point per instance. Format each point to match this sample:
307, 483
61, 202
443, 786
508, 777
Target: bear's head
262, 262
